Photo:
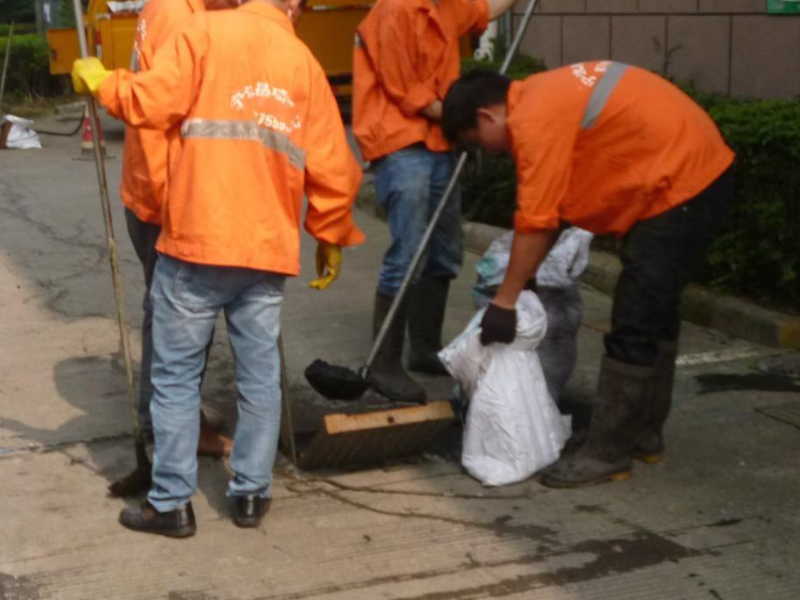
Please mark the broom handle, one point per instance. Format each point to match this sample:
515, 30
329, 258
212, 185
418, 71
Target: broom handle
423, 245
105, 204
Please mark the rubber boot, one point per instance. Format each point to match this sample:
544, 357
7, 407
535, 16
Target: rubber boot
581, 416
618, 420
650, 445
426, 306
137, 481
387, 374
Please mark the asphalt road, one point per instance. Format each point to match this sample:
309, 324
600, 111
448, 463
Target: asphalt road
717, 520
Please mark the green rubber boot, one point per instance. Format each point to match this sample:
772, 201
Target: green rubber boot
650, 445
426, 307
387, 374
618, 419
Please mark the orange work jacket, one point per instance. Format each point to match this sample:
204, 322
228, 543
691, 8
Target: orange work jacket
259, 127
603, 145
144, 158
406, 57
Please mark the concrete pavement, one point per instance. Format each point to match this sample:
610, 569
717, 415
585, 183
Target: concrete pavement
718, 520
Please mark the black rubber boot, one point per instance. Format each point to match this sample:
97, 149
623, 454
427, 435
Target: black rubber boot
387, 374
426, 305
650, 445
581, 416
137, 481
618, 420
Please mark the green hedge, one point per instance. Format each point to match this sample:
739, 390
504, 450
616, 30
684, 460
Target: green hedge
19, 29
757, 253
28, 68
17, 10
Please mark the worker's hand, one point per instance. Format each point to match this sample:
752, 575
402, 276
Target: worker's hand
88, 74
329, 263
498, 325
433, 111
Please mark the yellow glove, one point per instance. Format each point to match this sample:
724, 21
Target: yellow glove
88, 74
329, 263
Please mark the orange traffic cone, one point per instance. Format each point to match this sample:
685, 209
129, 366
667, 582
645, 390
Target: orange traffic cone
87, 136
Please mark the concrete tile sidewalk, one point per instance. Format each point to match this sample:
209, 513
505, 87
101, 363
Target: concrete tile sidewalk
717, 520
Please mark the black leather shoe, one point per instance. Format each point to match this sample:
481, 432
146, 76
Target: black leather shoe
175, 523
248, 511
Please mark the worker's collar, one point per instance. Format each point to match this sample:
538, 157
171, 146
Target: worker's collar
271, 12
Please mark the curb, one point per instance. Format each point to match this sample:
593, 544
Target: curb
699, 305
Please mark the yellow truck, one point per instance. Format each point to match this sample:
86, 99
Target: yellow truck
326, 26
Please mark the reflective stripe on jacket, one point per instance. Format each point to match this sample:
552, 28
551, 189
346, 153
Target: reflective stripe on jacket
144, 158
406, 57
602, 145
259, 127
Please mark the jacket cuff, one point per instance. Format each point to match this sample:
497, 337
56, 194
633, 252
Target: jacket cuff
106, 94
352, 236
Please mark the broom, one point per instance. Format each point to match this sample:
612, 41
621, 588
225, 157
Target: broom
140, 477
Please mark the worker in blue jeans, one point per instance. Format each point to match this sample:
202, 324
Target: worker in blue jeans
409, 184
187, 298
407, 53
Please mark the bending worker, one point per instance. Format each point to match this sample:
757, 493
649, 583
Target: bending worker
143, 191
406, 56
616, 150
256, 134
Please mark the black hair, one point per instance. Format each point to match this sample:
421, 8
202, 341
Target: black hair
477, 89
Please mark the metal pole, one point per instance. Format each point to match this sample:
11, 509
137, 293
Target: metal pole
105, 204
5, 63
423, 246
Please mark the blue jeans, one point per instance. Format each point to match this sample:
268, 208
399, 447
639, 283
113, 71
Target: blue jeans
186, 300
409, 184
143, 237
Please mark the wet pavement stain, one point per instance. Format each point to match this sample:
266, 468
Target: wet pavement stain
726, 382
615, 556
18, 588
190, 595
726, 523
639, 550
592, 509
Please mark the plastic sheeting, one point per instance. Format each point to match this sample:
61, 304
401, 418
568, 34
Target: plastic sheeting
557, 284
21, 134
561, 268
513, 427
126, 6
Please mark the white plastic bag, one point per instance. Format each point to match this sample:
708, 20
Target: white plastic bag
557, 285
513, 427
561, 267
21, 135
